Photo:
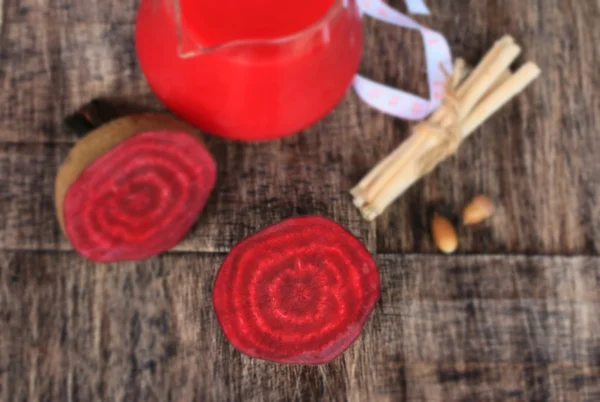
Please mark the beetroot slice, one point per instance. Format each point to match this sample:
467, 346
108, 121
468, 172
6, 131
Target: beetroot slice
297, 292
140, 198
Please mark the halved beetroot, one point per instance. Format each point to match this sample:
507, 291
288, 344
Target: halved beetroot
137, 198
297, 292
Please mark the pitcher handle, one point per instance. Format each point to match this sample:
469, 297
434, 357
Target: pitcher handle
396, 102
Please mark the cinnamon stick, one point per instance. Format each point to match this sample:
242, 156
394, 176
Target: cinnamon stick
469, 103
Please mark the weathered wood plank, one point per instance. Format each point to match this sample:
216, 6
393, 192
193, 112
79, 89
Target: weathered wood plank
545, 189
474, 325
491, 309
536, 157
26, 196
1, 17
51, 69
66, 11
258, 185
494, 382
474, 330
447, 328
455, 278
146, 331
72, 331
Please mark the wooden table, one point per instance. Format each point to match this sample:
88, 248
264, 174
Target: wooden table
514, 315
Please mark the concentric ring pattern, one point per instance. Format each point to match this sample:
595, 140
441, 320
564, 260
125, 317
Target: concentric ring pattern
140, 198
297, 292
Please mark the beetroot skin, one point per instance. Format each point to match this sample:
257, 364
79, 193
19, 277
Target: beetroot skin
297, 292
140, 198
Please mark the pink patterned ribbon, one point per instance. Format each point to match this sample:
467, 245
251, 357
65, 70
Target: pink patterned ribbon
394, 101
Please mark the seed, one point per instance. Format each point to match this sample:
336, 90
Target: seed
444, 234
480, 208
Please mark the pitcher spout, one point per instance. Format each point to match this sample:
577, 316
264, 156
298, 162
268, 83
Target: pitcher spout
196, 39
251, 69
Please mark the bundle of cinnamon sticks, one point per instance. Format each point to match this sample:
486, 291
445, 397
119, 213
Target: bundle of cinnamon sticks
469, 100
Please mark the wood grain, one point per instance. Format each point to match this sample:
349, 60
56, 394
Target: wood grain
257, 185
485, 277
536, 157
67, 11
50, 70
508, 327
254, 190
73, 330
495, 382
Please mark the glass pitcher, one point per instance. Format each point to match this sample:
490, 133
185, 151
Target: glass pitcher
267, 84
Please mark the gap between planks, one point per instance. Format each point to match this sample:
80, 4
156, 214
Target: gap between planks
381, 255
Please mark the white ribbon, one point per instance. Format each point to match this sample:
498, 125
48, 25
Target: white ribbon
394, 101
417, 7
